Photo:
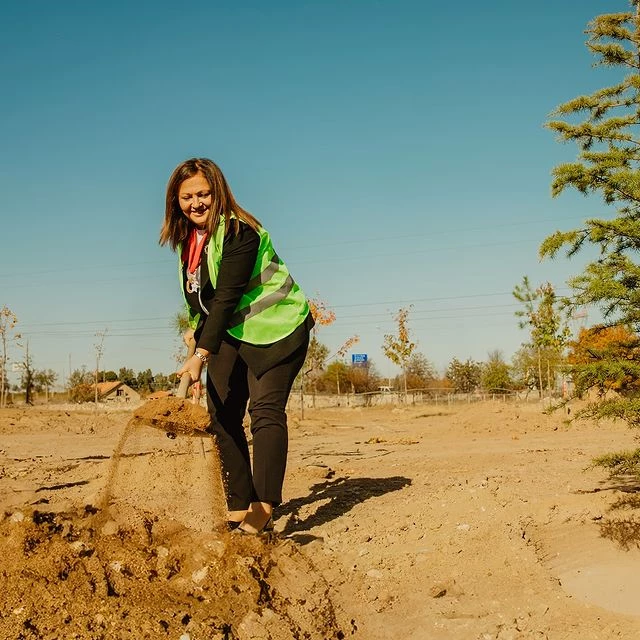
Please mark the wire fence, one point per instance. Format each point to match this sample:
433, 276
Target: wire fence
412, 397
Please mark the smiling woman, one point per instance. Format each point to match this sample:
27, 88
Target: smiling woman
250, 322
194, 197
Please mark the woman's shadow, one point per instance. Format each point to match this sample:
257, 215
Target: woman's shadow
341, 494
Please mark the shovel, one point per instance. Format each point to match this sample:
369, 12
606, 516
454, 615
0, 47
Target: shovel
174, 414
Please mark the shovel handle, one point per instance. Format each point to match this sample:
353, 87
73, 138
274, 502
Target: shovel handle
185, 380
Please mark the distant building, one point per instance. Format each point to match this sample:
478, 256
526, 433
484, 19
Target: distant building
116, 392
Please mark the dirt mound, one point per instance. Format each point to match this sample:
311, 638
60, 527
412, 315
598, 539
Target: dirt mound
174, 415
480, 521
149, 556
84, 575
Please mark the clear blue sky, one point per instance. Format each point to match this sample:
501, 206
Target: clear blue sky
395, 151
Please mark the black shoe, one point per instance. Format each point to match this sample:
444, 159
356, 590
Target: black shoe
266, 531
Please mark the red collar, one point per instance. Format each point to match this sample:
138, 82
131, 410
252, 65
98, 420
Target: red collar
193, 252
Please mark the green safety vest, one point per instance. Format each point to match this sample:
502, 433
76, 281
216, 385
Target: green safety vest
272, 306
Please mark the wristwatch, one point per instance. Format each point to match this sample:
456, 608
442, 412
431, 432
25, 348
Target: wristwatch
201, 356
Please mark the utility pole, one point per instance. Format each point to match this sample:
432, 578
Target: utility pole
99, 350
28, 376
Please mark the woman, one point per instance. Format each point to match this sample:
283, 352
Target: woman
251, 325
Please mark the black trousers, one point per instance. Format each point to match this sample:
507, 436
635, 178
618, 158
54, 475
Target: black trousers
230, 385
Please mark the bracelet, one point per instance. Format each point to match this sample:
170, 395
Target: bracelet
201, 357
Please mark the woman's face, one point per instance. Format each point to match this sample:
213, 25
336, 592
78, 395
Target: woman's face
194, 196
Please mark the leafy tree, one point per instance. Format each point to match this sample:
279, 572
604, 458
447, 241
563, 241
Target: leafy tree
548, 332
314, 363
464, 376
80, 385
27, 378
109, 376
604, 126
335, 377
83, 392
420, 372
79, 376
8, 321
128, 377
180, 324
363, 378
607, 359
525, 370
340, 377
144, 381
318, 353
496, 374
161, 382
44, 380
398, 348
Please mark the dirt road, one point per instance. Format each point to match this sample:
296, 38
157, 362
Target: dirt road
478, 522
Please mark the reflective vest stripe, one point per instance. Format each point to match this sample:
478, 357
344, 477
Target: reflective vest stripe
260, 305
265, 275
272, 305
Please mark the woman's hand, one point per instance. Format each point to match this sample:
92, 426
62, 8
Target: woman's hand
193, 365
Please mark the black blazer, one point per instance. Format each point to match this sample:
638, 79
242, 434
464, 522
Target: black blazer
239, 253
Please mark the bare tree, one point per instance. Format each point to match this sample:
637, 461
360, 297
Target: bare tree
8, 321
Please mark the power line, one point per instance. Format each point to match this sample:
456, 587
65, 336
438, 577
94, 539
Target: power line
430, 234
322, 260
168, 319
438, 299
101, 321
170, 330
359, 241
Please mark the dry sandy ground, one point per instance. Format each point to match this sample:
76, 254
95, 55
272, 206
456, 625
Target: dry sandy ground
480, 522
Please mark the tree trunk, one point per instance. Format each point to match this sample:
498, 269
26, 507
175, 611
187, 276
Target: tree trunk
3, 391
2, 383
540, 374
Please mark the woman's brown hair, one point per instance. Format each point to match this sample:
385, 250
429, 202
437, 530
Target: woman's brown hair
176, 226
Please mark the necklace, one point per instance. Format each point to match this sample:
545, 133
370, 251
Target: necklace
196, 245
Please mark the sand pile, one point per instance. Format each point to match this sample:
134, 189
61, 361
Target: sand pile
149, 557
174, 415
86, 574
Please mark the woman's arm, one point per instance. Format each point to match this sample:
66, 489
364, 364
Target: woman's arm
239, 255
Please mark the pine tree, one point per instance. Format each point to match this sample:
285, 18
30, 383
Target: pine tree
604, 126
